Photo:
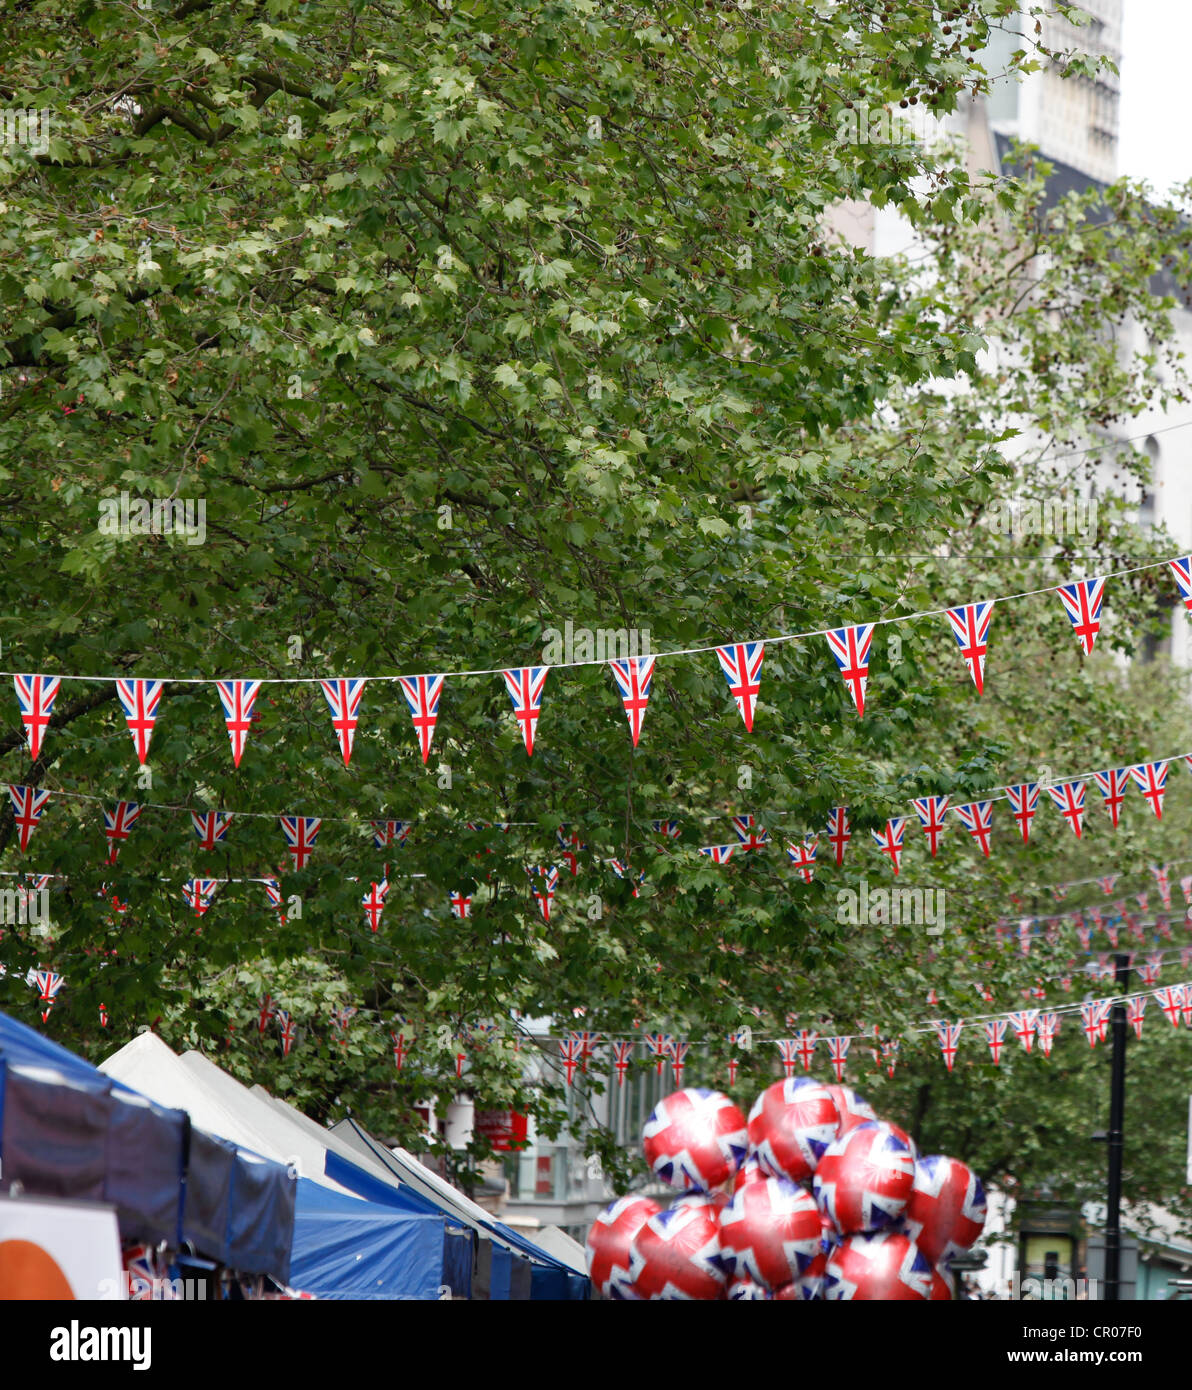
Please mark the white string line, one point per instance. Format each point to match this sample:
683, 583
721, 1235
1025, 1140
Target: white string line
594, 661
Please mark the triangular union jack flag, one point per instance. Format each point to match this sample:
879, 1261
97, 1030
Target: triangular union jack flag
390, 832
544, 896
805, 1041
1024, 802
742, 667
660, 1045
890, 1055
889, 840
838, 1052
460, 904
1082, 602
400, 1047
1135, 1010
622, 870
678, 1055
789, 1053
273, 895
718, 854
668, 829
301, 832
850, 646
1069, 798
571, 1050
970, 625
373, 904
116, 825
1090, 1021
633, 677
750, 834
525, 685
1163, 880
285, 1023
47, 984
268, 1011
36, 696
27, 805
1151, 780
570, 844
839, 833
198, 893
622, 1057
995, 1036
1171, 1000
1107, 883
1024, 1023
931, 811
949, 1036
1049, 1026
422, 695
237, 699
803, 856
140, 700
1150, 971
1182, 569
977, 819
1112, 785
343, 700
211, 827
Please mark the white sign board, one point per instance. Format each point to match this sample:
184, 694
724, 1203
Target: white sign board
58, 1250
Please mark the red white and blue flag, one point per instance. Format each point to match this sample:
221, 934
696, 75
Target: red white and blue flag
460, 904
1163, 881
285, 1023
1082, 603
140, 700
544, 895
211, 827
850, 646
572, 1054
1149, 972
838, 1052
1171, 1000
301, 832
805, 1041
678, 1055
1025, 1023
742, 667
525, 686
27, 805
660, 1045
970, 626
1112, 785
343, 700
1069, 798
390, 832
668, 829
1136, 1010
373, 904
995, 1036
198, 892
749, 833
633, 677
977, 819
36, 696
931, 811
1049, 1026
839, 833
622, 1057
1024, 802
238, 698
803, 856
116, 825
1182, 569
268, 1011
624, 871
788, 1050
949, 1038
273, 894
1151, 780
1107, 883
422, 695
889, 840
718, 854
400, 1046
570, 844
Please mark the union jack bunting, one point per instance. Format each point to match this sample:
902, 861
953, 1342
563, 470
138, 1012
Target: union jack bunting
633, 677
668, 829
890, 1056
373, 904
273, 894
1024, 802
525, 685
932, 996
850, 646
268, 1009
931, 811
788, 1051
1182, 569
27, 805
803, 856
422, 695
1171, 1000
1135, 1009
1104, 1008
1059, 892
750, 834
198, 893
977, 819
949, 1037
460, 904
622, 1057
1085, 936
1112, 785
400, 1047
47, 984
211, 827
1024, 1023
838, 1052
570, 843
1090, 1021
103, 1015
1049, 1026
1163, 927
1186, 888
301, 832
839, 833
285, 1023
116, 825
679, 1060
572, 1055
36, 696
805, 1041
1082, 603
1151, 780
343, 699
1186, 991
970, 625
140, 700
1149, 973
1143, 900
624, 871
545, 895
1069, 798
659, 1045
995, 1036
1107, 883
390, 832
889, 840
718, 854
238, 698
742, 667
1025, 932
1163, 883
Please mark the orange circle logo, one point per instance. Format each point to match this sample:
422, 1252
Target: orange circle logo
27, 1272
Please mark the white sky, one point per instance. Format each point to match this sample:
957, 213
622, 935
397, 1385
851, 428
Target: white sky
1154, 138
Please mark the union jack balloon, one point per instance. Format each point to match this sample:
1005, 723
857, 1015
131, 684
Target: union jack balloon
695, 1138
676, 1253
852, 1108
607, 1247
810, 1284
946, 1211
864, 1180
791, 1125
746, 1291
884, 1267
770, 1232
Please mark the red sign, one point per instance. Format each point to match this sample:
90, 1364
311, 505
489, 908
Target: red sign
505, 1130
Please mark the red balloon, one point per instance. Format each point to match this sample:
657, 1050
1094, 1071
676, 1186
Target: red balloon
676, 1254
607, 1246
695, 1138
941, 1286
789, 1293
885, 1267
946, 1210
864, 1179
854, 1109
791, 1125
770, 1232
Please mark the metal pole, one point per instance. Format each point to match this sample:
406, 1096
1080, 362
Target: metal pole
1117, 1107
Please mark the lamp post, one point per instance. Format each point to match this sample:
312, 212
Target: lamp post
1117, 1107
